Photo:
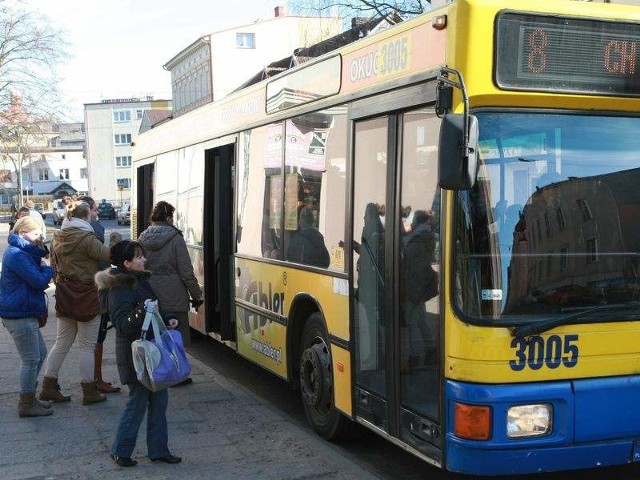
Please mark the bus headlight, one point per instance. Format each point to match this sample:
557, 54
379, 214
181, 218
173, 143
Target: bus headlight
529, 420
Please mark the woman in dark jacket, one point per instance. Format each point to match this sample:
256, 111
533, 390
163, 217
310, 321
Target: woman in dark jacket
174, 281
125, 288
23, 307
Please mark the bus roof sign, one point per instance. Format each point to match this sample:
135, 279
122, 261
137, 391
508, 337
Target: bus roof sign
567, 54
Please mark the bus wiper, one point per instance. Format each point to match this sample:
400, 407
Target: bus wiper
536, 328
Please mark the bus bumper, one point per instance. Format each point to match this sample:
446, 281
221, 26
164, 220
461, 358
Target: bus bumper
596, 422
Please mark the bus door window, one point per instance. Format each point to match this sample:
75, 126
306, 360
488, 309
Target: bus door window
419, 239
370, 182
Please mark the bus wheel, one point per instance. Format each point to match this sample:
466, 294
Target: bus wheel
316, 382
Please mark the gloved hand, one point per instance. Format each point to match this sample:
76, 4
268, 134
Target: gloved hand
196, 303
151, 305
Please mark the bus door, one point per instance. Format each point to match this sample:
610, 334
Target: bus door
145, 198
395, 259
218, 240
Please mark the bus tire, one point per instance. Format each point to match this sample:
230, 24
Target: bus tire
316, 382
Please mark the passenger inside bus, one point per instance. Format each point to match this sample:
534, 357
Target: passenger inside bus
419, 286
307, 243
370, 265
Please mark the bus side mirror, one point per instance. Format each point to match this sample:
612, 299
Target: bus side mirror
457, 156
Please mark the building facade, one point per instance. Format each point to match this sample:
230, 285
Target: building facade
216, 64
112, 127
51, 164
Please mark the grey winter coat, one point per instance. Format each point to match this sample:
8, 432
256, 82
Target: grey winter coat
173, 280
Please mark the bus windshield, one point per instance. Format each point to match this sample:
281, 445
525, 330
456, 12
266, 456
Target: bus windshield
552, 224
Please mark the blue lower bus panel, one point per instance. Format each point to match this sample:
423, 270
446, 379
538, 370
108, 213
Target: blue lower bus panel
594, 422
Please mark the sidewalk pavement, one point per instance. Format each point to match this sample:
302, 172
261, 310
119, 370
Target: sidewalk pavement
220, 429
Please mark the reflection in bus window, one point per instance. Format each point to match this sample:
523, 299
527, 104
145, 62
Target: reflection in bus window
271, 198
552, 221
260, 192
315, 182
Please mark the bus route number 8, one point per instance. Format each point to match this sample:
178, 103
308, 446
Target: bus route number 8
534, 352
537, 58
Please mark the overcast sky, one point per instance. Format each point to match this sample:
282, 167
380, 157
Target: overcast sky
120, 46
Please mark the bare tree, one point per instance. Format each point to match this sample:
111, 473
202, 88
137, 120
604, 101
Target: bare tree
21, 137
350, 8
30, 51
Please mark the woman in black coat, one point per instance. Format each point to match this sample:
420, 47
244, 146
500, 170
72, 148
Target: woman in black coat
124, 289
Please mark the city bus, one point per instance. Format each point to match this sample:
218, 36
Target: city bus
433, 232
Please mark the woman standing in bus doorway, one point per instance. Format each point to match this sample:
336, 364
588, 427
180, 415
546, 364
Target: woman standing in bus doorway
75, 253
173, 280
126, 287
23, 308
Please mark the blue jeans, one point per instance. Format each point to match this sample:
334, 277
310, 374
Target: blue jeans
31, 347
155, 404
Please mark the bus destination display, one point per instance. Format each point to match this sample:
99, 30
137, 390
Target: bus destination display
566, 54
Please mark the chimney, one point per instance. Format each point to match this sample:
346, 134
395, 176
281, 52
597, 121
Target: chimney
279, 11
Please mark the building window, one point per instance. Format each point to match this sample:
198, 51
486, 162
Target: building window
123, 138
245, 40
123, 182
562, 221
84, 173
584, 208
564, 259
592, 250
122, 116
43, 174
139, 114
64, 174
124, 161
547, 225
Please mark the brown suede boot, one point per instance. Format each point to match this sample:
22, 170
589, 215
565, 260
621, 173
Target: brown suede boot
30, 407
104, 387
91, 394
44, 404
51, 391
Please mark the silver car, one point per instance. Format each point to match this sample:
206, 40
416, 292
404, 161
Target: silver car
124, 215
58, 212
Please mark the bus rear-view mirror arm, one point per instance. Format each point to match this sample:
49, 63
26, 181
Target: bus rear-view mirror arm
458, 145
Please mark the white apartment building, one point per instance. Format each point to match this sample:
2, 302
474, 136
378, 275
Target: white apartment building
217, 64
112, 127
54, 164
60, 167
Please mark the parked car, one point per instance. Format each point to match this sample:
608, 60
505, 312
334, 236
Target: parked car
106, 210
58, 212
38, 207
124, 215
